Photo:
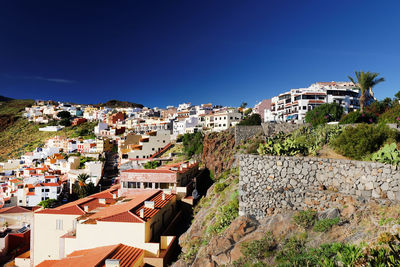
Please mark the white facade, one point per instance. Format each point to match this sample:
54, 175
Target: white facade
38, 188
224, 120
149, 145
294, 104
181, 126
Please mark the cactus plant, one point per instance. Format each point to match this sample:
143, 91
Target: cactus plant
387, 154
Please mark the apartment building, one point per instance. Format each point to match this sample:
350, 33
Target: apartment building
108, 256
105, 219
104, 144
225, 119
135, 146
176, 177
36, 189
261, 106
294, 104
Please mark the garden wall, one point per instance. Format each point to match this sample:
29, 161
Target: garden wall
269, 184
243, 132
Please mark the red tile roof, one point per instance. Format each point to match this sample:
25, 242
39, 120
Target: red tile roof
15, 209
30, 193
126, 255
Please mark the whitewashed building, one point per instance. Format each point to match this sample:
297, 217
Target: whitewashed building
294, 104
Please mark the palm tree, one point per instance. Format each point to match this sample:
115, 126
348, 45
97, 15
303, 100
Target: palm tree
81, 188
365, 82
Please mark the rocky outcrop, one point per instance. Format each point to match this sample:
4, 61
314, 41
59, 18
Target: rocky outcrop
218, 151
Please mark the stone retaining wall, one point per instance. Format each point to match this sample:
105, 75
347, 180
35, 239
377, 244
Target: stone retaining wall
286, 127
269, 184
243, 132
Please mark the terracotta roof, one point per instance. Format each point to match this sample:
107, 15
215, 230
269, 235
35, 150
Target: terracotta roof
30, 193
77, 207
15, 209
158, 205
127, 256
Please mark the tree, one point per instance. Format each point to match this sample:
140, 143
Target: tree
48, 203
151, 164
254, 119
365, 82
81, 188
192, 144
64, 115
243, 105
247, 112
65, 122
324, 113
397, 95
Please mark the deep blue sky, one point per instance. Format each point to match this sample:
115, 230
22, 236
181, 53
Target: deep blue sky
166, 52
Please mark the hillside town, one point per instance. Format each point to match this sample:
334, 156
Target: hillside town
122, 175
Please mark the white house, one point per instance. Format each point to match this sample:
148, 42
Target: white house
294, 104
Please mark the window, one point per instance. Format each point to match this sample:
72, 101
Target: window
152, 149
47, 190
147, 185
59, 224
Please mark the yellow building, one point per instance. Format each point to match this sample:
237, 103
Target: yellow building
105, 219
104, 145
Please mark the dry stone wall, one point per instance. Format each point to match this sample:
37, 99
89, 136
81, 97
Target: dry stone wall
269, 184
244, 132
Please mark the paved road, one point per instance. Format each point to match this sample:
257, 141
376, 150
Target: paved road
110, 171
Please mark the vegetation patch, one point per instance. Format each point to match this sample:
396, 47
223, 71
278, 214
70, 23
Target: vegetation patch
359, 141
324, 225
305, 218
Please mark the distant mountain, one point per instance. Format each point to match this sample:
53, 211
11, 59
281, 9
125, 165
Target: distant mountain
5, 99
119, 104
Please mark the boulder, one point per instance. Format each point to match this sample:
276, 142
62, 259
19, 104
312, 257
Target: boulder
240, 227
329, 214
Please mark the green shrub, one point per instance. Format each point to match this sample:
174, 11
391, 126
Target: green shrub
48, 203
258, 249
193, 144
254, 119
294, 253
358, 117
219, 187
324, 225
388, 255
255, 251
225, 215
65, 122
358, 141
151, 164
324, 113
391, 115
305, 218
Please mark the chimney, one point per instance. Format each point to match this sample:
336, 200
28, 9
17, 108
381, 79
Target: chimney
102, 201
114, 196
86, 208
149, 204
163, 196
112, 263
141, 213
167, 191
